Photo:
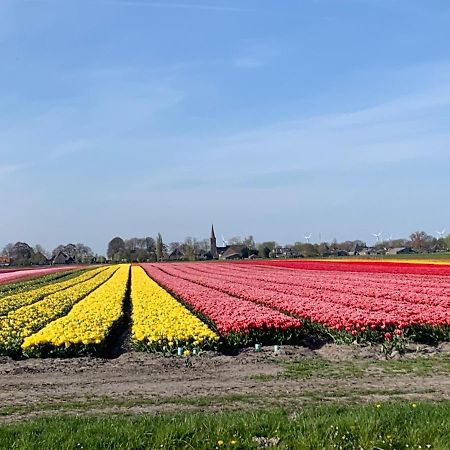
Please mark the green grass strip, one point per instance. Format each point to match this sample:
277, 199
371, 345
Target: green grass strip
385, 426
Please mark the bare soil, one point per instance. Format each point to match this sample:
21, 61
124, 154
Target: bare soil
134, 383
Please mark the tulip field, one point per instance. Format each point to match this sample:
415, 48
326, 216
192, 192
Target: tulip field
159, 307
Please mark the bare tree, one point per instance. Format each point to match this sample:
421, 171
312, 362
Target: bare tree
7, 249
159, 247
39, 249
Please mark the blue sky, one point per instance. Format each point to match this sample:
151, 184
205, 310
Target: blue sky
277, 119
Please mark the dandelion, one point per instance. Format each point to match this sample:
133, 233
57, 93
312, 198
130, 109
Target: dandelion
219, 442
414, 405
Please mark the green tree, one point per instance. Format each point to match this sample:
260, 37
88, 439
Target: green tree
421, 241
249, 242
265, 248
188, 248
116, 248
447, 242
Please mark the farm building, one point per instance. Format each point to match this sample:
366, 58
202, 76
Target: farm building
5, 260
38, 259
233, 252
62, 258
176, 255
285, 252
400, 251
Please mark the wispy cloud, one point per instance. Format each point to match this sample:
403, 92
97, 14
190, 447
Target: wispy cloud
113, 113
256, 53
7, 169
173, 5
405, 132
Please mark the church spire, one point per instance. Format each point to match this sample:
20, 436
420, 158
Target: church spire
213, 243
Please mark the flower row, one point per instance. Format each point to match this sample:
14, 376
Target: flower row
160, 322
15, 301
360, 266
16, 275
336, 310
228, 314
316, 285
381, 284
23, 322
34, 283
90, 321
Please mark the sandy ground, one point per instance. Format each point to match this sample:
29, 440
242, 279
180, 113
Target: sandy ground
139, 382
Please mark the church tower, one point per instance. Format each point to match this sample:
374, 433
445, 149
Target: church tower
213, 242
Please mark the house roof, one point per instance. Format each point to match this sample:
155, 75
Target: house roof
233, 250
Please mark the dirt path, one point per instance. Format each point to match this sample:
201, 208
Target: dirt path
138, 382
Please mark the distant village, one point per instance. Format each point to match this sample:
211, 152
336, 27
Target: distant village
150, 249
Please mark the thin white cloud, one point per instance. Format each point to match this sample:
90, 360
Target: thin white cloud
113, 108
256, 53
7, 169
173, 5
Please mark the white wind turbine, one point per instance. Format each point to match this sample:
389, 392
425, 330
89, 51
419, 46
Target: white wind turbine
224, 242
308, 237
378, 236
440, 233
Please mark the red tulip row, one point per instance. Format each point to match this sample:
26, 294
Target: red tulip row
348, 312
356, 266
227, 313
419, 283
417, 290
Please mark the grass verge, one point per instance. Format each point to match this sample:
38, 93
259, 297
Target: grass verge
421, 366
391, 425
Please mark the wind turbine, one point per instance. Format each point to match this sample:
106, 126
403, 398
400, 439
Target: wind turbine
308, 237
224, 242
440, 233
378, 236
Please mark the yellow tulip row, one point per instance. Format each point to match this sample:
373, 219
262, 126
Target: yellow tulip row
15, 301
23, 322
90, 321
160, 321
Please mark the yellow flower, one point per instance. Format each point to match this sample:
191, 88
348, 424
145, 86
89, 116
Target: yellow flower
160, 321
220, 442
92, 318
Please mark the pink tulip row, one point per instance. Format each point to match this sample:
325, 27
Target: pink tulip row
419, 283
18, 275
228, 313
417, 291
399, 268
334, 309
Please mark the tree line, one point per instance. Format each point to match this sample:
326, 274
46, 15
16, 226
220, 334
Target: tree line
22, 254
191, 249
149, 249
